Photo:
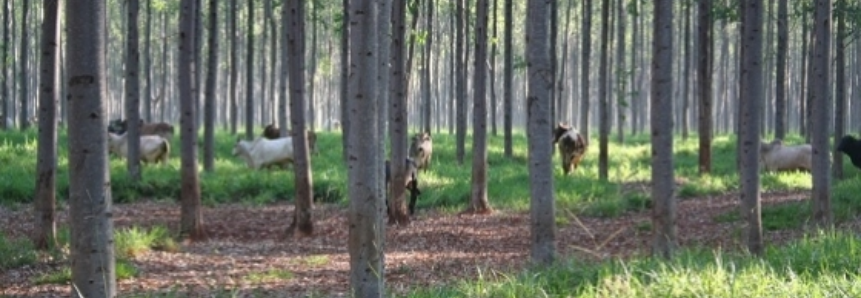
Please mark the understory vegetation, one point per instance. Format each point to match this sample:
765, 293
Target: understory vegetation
823, 264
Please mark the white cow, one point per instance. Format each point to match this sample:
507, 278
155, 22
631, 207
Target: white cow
263, 152
777, 157
153, 148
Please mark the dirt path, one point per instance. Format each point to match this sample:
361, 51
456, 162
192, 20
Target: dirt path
436, 248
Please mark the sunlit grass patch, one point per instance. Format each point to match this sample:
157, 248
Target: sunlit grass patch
271, 275
134, 241
313, 260
16, 253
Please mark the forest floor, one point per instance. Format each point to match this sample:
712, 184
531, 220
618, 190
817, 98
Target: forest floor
436, 248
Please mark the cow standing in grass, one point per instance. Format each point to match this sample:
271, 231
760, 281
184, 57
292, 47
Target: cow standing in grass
272, 132
572, 146
153, 148
163, 129
777, 157
851, 146
421, 150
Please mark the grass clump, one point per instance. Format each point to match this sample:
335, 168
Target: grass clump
132, 242
15, 253
271, 275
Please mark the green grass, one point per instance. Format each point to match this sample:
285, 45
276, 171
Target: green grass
124, 270
15, 253
271, 275
132, 242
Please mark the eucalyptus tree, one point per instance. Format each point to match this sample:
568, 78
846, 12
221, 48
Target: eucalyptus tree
819, 85
191, 217
132, 88
210, 98
704, 87
44, 198
294, 12
478, 200
620, 71
664, 209
751, 99
90, 208
147, 56
542, 215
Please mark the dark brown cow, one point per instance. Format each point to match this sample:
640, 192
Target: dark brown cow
572, 146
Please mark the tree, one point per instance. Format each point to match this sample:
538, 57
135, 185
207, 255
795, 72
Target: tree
366, 236
478, 202
542, 217
603, 105
210, 97
584, 69
508, 78
398, 120
91, 249
780, 72
426, 69
345, 73
460, 73
191, 218
44, 201
4, 65
249, 74
664, 209
820, 87
132, 81
148, 65
704, 70
22, 58
234, 67
294, 12
840, 86
750, 99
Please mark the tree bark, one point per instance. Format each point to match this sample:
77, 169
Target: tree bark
461, 73
508, 78
750, 99
234, 67
664, 209
249, 73
704, 81
840, 87
780, 126
91, 248
132, 87
44, 201
820, 87
542, 215
603, 94
426, 71
478, 201
585, 69
398, 118
211, 99
4, 66
24, 123
191, 217
345, 74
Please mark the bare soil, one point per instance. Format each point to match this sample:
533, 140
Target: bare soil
437, 248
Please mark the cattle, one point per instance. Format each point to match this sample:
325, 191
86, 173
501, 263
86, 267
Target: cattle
412, 182
777, 157
163, 129
272, 132
153, 149
263, 152
851, 146
421, 150
572, 146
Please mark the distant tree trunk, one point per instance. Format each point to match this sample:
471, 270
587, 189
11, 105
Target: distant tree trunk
191, 217
493, 105
508, 78
603, 105
751, 99
4, 66
249, 73
686, 72
478, 199
780, 72
23, 75
148, 64
366, 236
132, 87
803, 103
90, 208
312, 73
211, 99
585, 70
44, 201
554, 36
294, 12
820, 87
621, 104
840, 87
460, 98
636, 76
426, 73
704, 81
234, 67
398, 118
345, 74
283, 77
664, 209
542, 215
273, 58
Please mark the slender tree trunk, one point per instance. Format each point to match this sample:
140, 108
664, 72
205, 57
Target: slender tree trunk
210, 98
820, 87
426, 73
686, 72
23, 75
704, 81
542, 206
273, 59
621, 104
90, 208
234, 67
294, 12
780, 126
460, 98
4, 65
398, 118
147, 113
585, 70
191, 217
554, 35
751, 98
345, 73
132, 87
840, 87
664, 209
44, 201
603, 105
249, 73
478, 201
493, 105
508, 78
312, 73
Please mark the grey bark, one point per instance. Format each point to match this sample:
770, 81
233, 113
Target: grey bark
478, 200
234, 67
345, 73
23, 122
147, 110
542, 209
294, 12
191, 217
686, 72
493, 101
92, 244
44, 201
621, 104
398, 118
4, 66
132, 88
426, 71
211, 99
704, 88
460, 98
508, 78
750, 100
840, 87
603, 94
780, 126
821, 111
249, 73
585, 69
663, 197
366, 239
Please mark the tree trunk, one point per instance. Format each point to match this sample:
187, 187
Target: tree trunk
366, 230
585, 69
249, 73
508, 78
147, 110
542, 215
621, 104
780, 73
426, 71
478, 201
704, 81
23, 75
664, 209
294, 12
4, 66
493, 68
686, 72
840, 87
751, 98
90, 222
820, 87
44, 198
234, 67
603, 105
312, 73
345, 74
398, 118
210, 97
191, 217
132, 87
460, 67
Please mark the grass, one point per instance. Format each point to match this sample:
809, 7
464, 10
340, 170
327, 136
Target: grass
16, 253
271, 275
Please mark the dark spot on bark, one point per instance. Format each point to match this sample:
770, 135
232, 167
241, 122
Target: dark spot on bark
94, 116
82, 79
